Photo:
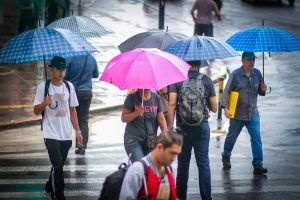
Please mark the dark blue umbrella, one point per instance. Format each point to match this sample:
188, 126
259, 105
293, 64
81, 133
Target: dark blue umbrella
201, 48
43, 44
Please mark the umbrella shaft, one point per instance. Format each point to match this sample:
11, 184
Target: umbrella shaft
263, 67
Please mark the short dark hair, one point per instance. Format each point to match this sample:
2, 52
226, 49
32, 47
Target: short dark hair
170, 137
194, 63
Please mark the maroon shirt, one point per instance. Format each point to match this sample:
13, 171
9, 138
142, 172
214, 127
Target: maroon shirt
204, 11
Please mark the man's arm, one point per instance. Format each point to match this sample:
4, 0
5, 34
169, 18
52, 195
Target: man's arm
225, 96
162, 121
133, 182
262, 89
213, 105
38, 109
74, 120
171, 109
227, 112
193, 11
217, 12
96, 70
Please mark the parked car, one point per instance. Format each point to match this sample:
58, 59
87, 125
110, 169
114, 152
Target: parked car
291, 2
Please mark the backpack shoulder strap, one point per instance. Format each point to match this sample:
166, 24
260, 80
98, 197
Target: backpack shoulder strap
145, 168
185, 83
146, 177
68, 87
200, 84
200, 76
46, 93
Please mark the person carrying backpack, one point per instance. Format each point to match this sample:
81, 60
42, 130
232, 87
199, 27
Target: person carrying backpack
56, 101
159, 182
193, 99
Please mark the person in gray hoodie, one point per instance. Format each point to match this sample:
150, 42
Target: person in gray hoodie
160, 181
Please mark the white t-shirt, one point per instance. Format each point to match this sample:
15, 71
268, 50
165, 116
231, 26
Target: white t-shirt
57, 121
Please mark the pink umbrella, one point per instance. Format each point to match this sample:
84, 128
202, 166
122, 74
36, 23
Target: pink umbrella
147, 68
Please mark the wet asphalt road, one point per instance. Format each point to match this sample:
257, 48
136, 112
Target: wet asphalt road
24, 162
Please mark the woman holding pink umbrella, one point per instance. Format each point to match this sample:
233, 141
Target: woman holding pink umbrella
143, 114
144, 69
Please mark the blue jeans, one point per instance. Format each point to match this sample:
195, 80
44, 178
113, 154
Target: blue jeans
253, 127
135, 150
196, 137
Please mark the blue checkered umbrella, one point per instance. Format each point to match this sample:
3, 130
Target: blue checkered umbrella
201, 48
43, 43
264, 39
85, 26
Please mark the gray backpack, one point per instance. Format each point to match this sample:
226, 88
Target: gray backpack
191, 102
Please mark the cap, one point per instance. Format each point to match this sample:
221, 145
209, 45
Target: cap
248, 55
58, 62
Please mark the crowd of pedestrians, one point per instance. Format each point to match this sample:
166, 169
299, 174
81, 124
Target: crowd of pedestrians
64, 102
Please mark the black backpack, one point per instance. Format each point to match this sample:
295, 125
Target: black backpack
46, 93
113, 183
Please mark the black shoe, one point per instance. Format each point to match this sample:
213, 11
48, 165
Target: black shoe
50, 195
260, 170
80, 151
226, 162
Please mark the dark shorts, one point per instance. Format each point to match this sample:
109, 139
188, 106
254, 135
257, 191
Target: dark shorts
206, 29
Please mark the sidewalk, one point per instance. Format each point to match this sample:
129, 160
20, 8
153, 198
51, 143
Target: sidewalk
18, 82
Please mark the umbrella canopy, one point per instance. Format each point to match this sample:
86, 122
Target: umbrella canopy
201, 48
43, 43
85, 26
155, 38
145, 69
264, 39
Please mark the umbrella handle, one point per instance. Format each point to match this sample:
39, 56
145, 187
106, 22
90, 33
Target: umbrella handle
270, 90
143, 98
45, 68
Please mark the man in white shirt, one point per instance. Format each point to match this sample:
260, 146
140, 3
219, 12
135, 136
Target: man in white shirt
59, 115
